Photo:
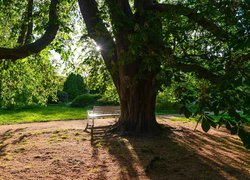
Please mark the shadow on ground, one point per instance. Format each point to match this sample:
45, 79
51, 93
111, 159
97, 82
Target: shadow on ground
61, 152
176, 154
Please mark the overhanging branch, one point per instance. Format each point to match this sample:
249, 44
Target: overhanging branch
200, 71
195, 68
237, 62
38, 45
194, 16
97, 30
121, 5
242, 59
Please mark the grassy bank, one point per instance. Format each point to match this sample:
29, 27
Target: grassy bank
41, 114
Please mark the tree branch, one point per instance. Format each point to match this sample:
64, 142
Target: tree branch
97, 31
122, 20
236, 63
194, 16
242, 59
26, 29
123, 6
200, 71
143, 4
120, 11
38, 45
30, 22
21, 38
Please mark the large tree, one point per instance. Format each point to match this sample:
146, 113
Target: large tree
140, 38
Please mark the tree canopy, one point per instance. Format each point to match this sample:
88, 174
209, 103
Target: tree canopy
146, 44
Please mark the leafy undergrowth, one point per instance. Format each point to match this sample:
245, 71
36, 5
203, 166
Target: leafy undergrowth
67, 152
41, 114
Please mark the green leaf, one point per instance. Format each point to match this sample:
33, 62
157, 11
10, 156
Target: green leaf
211, 121
221, 121
205, 125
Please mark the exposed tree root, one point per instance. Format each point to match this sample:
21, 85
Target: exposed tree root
120, 128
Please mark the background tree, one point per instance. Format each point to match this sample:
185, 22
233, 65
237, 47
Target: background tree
142, 39
28, 82
33, 79
74, 86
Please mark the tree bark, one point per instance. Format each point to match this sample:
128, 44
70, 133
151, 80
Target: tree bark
137, 103
26, 29
30, 22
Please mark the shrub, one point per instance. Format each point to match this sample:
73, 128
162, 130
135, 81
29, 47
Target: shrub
74, 86
163, 103
85, 100
105, 102
62, 96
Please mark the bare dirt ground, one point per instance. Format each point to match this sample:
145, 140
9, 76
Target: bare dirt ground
62, 150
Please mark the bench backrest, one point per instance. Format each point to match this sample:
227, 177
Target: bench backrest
106, 110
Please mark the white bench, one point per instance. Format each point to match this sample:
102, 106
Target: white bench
101, 112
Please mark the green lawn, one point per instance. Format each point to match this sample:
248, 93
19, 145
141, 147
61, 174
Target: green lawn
165, 111
49, 113
59, 112
39, 114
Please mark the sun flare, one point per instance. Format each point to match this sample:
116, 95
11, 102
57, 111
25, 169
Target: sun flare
98, 48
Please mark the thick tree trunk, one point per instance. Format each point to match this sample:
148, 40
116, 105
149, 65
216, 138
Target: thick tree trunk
138, 108
137, 101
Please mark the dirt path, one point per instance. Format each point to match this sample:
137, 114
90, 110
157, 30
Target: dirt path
62, 150
72, 124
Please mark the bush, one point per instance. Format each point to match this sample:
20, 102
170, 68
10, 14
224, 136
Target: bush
164, 104
105, 102
62, 96
74, 86
85, 100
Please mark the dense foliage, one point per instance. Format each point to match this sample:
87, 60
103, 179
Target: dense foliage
32, 80
28, 82
85, 100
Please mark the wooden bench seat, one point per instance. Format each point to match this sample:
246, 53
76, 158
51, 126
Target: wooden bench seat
101, 112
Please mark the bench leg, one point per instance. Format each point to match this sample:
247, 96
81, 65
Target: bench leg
87, 125
116, 118
92, 134
92, 130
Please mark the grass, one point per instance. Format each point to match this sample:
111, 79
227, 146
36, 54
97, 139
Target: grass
166, 111
42, 114
49, 113
62, 112
182, 119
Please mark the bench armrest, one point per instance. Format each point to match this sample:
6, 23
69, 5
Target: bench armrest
89, 112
